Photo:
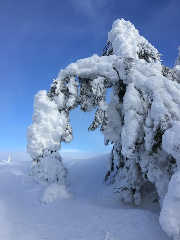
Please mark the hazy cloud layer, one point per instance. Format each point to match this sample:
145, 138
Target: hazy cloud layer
65, 153
15, 156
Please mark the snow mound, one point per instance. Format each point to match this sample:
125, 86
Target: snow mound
170, 215
55, 191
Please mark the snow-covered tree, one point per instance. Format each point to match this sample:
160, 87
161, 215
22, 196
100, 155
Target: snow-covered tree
177, 65
9, 159
142, 119
44, 136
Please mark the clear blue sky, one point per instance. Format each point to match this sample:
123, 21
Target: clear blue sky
39, 37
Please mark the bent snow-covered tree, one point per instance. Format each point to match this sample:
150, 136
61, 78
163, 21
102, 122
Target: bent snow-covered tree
142, 120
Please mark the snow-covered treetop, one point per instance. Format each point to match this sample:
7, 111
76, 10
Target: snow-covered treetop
127, 43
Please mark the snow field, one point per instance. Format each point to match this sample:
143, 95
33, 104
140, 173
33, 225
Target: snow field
94, 213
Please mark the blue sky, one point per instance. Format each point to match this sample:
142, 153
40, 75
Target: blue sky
39, 37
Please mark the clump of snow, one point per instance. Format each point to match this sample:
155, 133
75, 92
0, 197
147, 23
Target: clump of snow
171, 141
133, 120
170, 215
90, 68
113, 130
55, 191
48, 128
127, 43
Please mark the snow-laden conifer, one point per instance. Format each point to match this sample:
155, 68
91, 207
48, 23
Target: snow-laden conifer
7, 161
49, 128
144, 110
177, 65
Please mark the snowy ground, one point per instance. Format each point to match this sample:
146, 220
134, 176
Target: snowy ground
93, 214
